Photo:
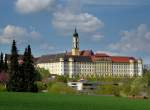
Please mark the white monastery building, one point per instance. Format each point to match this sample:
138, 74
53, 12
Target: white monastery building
87, 63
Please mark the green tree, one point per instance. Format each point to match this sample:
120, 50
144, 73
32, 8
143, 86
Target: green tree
43, 73
5, 63
29, 71
13, 83
62, 79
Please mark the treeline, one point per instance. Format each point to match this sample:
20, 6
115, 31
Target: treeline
21, 74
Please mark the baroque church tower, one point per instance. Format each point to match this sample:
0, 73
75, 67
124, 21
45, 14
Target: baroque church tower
75, 44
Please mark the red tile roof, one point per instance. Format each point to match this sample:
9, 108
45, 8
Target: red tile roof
104, 56
101, 58
86, 53
101, 55
121, 59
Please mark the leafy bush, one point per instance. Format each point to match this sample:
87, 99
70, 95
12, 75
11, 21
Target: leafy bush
116, 90
125, 89
2, 88
63, 79
138, 86
60, 87
41, 86
43, 72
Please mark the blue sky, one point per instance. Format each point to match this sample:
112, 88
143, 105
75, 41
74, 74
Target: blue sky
117, 27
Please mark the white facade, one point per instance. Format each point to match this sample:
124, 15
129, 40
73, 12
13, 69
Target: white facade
100, 68
53, 68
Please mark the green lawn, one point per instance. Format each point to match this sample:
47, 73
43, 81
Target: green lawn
45, 101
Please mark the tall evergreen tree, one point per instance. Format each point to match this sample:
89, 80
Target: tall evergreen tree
22, 77
29, 71
5, 63
14, 74
24, 70
2, 60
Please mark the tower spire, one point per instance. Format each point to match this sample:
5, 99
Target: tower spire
75, 32
75, 29
75, 46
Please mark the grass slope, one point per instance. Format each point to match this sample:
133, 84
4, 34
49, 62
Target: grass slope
41, 101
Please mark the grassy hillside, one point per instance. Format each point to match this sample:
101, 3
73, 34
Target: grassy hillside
41, 101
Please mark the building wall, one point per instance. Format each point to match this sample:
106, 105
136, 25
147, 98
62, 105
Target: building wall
103, 68
122, 69
140, 67
79, 68
53, 67
98, 68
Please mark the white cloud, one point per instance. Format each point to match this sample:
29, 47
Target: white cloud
97, 37
136, 40
29, 6
11, 32
116, 2
85, 22
111, 53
